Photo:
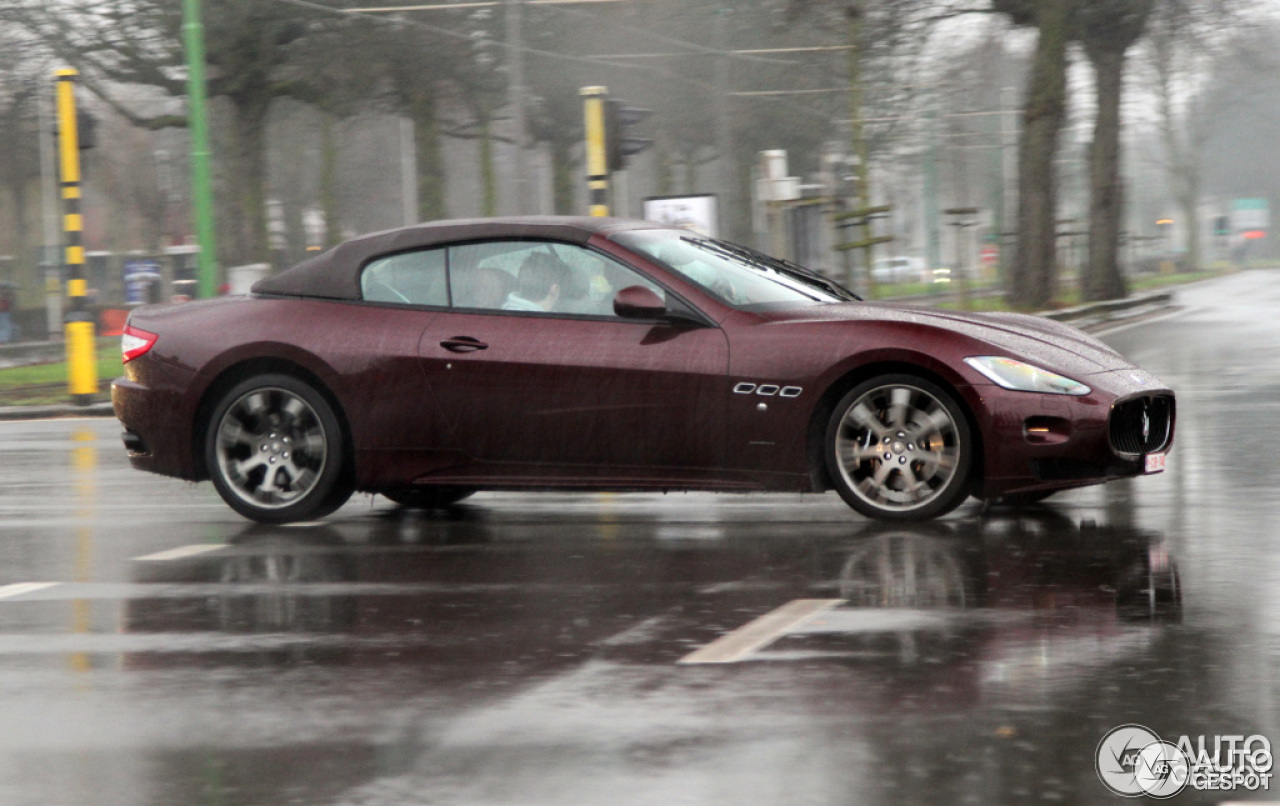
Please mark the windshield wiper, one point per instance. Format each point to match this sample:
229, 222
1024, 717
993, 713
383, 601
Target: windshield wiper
761, 260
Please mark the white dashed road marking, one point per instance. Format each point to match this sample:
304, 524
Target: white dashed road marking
181, 552
761, 632
22, 588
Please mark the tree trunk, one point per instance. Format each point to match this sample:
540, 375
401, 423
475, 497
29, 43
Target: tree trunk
247, 241
1034, 272
487, 174
432, 184
1103, 279
1190, 205
329, 181
562, 177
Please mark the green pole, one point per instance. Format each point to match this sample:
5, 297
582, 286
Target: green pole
201, 186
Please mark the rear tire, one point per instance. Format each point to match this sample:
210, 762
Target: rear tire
275, 451
898, 448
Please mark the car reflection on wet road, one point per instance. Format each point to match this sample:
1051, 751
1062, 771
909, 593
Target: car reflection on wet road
590, 649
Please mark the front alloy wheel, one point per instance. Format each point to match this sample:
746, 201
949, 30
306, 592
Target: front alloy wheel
274, 451
898, 448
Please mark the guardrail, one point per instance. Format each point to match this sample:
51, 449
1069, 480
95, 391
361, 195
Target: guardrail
25, 353
1107, 310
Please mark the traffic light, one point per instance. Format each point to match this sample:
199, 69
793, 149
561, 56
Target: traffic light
1222, 225
620, 140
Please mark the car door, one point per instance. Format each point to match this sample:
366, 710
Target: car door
395, 420
567, 383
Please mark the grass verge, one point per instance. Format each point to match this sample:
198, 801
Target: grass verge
46, 384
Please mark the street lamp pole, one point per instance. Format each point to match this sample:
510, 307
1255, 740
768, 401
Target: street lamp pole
201, 184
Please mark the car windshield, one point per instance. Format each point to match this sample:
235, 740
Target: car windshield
735, 275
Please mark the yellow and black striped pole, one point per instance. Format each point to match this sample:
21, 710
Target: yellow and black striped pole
597, 159
82, 370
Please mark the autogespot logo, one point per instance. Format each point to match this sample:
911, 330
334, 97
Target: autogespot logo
1133, 761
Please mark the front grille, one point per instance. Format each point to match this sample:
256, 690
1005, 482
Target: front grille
1142, 425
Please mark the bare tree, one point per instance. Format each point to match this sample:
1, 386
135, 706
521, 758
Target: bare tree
1034, 277
1108, 28
1185, 38
252, 51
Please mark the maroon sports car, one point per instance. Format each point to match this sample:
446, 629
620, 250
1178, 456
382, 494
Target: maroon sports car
428, 362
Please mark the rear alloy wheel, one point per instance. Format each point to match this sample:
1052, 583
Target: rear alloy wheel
274, 450
898, 448
428, 497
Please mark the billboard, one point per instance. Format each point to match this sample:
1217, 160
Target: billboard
698, 213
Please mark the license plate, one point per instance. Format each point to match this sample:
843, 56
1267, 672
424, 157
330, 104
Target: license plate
1154, 463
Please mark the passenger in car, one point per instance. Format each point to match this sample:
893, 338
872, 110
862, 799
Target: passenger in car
539, 284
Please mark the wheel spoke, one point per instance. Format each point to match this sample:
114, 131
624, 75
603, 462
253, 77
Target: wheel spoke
853, 454
862, 416
915, 488
244, 468
899, 405
232, 433
255, 404
294, 408
937, 421
313, 444
882, 474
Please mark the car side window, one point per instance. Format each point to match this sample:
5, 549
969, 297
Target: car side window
538, 277
407, 278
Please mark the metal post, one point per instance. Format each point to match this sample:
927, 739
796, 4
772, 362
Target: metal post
597, 162
201, 184
82, 368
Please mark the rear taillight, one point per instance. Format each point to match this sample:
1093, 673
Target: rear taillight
136, 342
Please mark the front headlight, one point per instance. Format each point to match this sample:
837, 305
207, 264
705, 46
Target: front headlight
1022, 377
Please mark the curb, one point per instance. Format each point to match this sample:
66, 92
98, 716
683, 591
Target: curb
57, 410
1094, 314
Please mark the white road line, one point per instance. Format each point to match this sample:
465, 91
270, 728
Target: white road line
181, 552
20, 588
761, 632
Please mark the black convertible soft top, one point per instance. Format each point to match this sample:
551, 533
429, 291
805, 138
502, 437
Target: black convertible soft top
335, 274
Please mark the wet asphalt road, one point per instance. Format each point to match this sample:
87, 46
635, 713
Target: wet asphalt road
527, 649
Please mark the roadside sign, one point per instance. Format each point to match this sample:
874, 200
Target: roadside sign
139, 275
696, 212
1250, 215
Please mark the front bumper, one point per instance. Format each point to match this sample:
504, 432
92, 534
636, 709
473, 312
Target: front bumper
1047, 442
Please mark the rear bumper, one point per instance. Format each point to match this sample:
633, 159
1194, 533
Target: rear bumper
155, 436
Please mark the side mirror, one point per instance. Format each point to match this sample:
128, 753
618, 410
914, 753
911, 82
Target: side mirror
638, 302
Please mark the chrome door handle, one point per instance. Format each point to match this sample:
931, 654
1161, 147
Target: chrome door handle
463, 344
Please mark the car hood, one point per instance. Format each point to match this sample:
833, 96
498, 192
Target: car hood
1043, 341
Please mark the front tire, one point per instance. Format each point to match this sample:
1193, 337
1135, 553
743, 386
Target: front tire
275, 451
898, 448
